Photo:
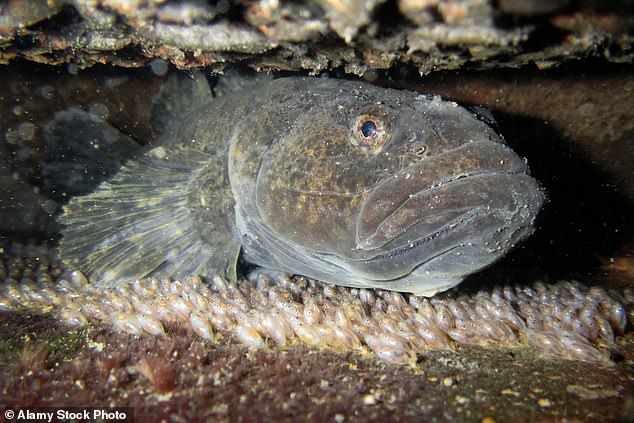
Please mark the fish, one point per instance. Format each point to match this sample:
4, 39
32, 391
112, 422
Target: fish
342, 181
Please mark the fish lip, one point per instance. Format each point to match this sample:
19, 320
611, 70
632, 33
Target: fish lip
455, 224
486, 234
359, 266
375, 228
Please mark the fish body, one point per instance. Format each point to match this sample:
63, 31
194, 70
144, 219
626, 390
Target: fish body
342, 181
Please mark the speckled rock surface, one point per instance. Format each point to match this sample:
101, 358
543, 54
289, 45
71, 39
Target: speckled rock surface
181, 378
360, 36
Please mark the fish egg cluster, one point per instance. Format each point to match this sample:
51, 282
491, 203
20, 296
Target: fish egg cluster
566, 320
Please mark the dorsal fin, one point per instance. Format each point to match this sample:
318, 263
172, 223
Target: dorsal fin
236, 78
182, 93
82, 150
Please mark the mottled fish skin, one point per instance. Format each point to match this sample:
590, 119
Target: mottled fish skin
341, 181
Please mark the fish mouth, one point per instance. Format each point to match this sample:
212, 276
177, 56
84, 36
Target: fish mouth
479, 194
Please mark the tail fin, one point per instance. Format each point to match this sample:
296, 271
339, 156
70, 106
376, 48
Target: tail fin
82, 151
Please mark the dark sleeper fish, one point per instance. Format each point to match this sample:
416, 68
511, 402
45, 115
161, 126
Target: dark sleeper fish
340, 181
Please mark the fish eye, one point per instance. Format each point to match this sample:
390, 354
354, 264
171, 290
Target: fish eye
371, 128
368, 128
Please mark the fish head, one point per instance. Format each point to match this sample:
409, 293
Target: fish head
375, 187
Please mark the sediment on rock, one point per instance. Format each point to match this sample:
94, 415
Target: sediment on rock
359, 36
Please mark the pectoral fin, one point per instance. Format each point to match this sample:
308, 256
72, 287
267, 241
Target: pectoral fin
142, 223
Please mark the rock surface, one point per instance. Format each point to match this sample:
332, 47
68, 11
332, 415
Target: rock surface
360, 36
